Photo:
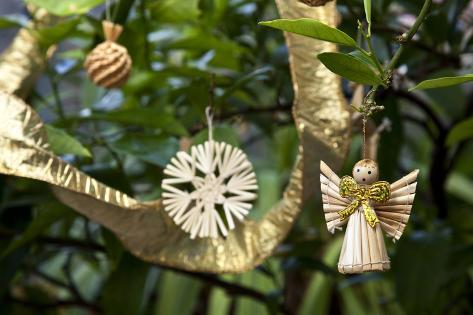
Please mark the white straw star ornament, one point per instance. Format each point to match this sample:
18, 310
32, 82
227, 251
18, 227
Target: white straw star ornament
206, 189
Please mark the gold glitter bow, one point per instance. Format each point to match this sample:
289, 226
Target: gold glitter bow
361, 195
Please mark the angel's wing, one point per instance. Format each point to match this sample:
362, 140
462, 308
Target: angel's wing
331, 199
394, 214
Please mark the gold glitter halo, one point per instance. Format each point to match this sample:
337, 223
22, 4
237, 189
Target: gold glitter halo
322, 120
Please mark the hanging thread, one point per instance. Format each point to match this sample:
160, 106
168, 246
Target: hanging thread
209, 111
210, 115
364, 136
107, 10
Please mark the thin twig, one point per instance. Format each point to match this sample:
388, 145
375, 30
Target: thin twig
56, 96
407, 37
56, 304
46, 240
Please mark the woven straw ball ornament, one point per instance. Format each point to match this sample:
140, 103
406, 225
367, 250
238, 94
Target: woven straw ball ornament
108, 65
208, 188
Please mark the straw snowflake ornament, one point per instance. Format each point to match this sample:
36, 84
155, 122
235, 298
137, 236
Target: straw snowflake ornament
209, 187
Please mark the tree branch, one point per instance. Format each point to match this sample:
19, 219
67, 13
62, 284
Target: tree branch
424, 106
47, 240
56, 304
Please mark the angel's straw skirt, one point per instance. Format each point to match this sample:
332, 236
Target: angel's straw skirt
363, 247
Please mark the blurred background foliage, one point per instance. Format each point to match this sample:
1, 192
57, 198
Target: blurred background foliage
54, 261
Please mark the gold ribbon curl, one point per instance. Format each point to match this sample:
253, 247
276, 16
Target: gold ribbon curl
323, 122
362, 195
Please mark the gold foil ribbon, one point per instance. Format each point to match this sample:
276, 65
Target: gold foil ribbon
23, 60
361, 196
322, 120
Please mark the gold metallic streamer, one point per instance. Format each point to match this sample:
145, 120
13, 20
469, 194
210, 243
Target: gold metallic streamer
23, 60
322, 120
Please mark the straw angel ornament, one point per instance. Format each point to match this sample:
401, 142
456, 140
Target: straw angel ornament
209, 187
370, 207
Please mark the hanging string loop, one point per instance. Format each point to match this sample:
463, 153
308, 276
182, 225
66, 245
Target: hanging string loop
209, 113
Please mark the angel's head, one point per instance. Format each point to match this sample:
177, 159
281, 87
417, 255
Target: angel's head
365, 172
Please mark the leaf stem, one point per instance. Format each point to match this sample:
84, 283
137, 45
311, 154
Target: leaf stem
371, 53
369, 105
56, 96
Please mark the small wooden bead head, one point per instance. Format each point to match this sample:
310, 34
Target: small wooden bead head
108, 65
366, 172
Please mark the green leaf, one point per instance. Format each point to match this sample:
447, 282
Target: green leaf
256, 75
62, 143
151, 149
12, 21
48, 214
461, 131
66, 7
367, 4
442, 82
460, 186
174, 11
177, 287
49, 36
312, 28
146, 117
350, 68
225, 133
285, 144
269, 186
124, 291
363, 58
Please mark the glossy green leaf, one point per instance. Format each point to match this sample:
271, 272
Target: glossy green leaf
269, 186
442, 82
225, 133
12, 21
349, 67
173, 288
256, 75
49, 36
363, 58
151, 149
285, 144
66, 7
62, 143
173, 11
312, 28
124, 291
461, 131
146, 117
460, 186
